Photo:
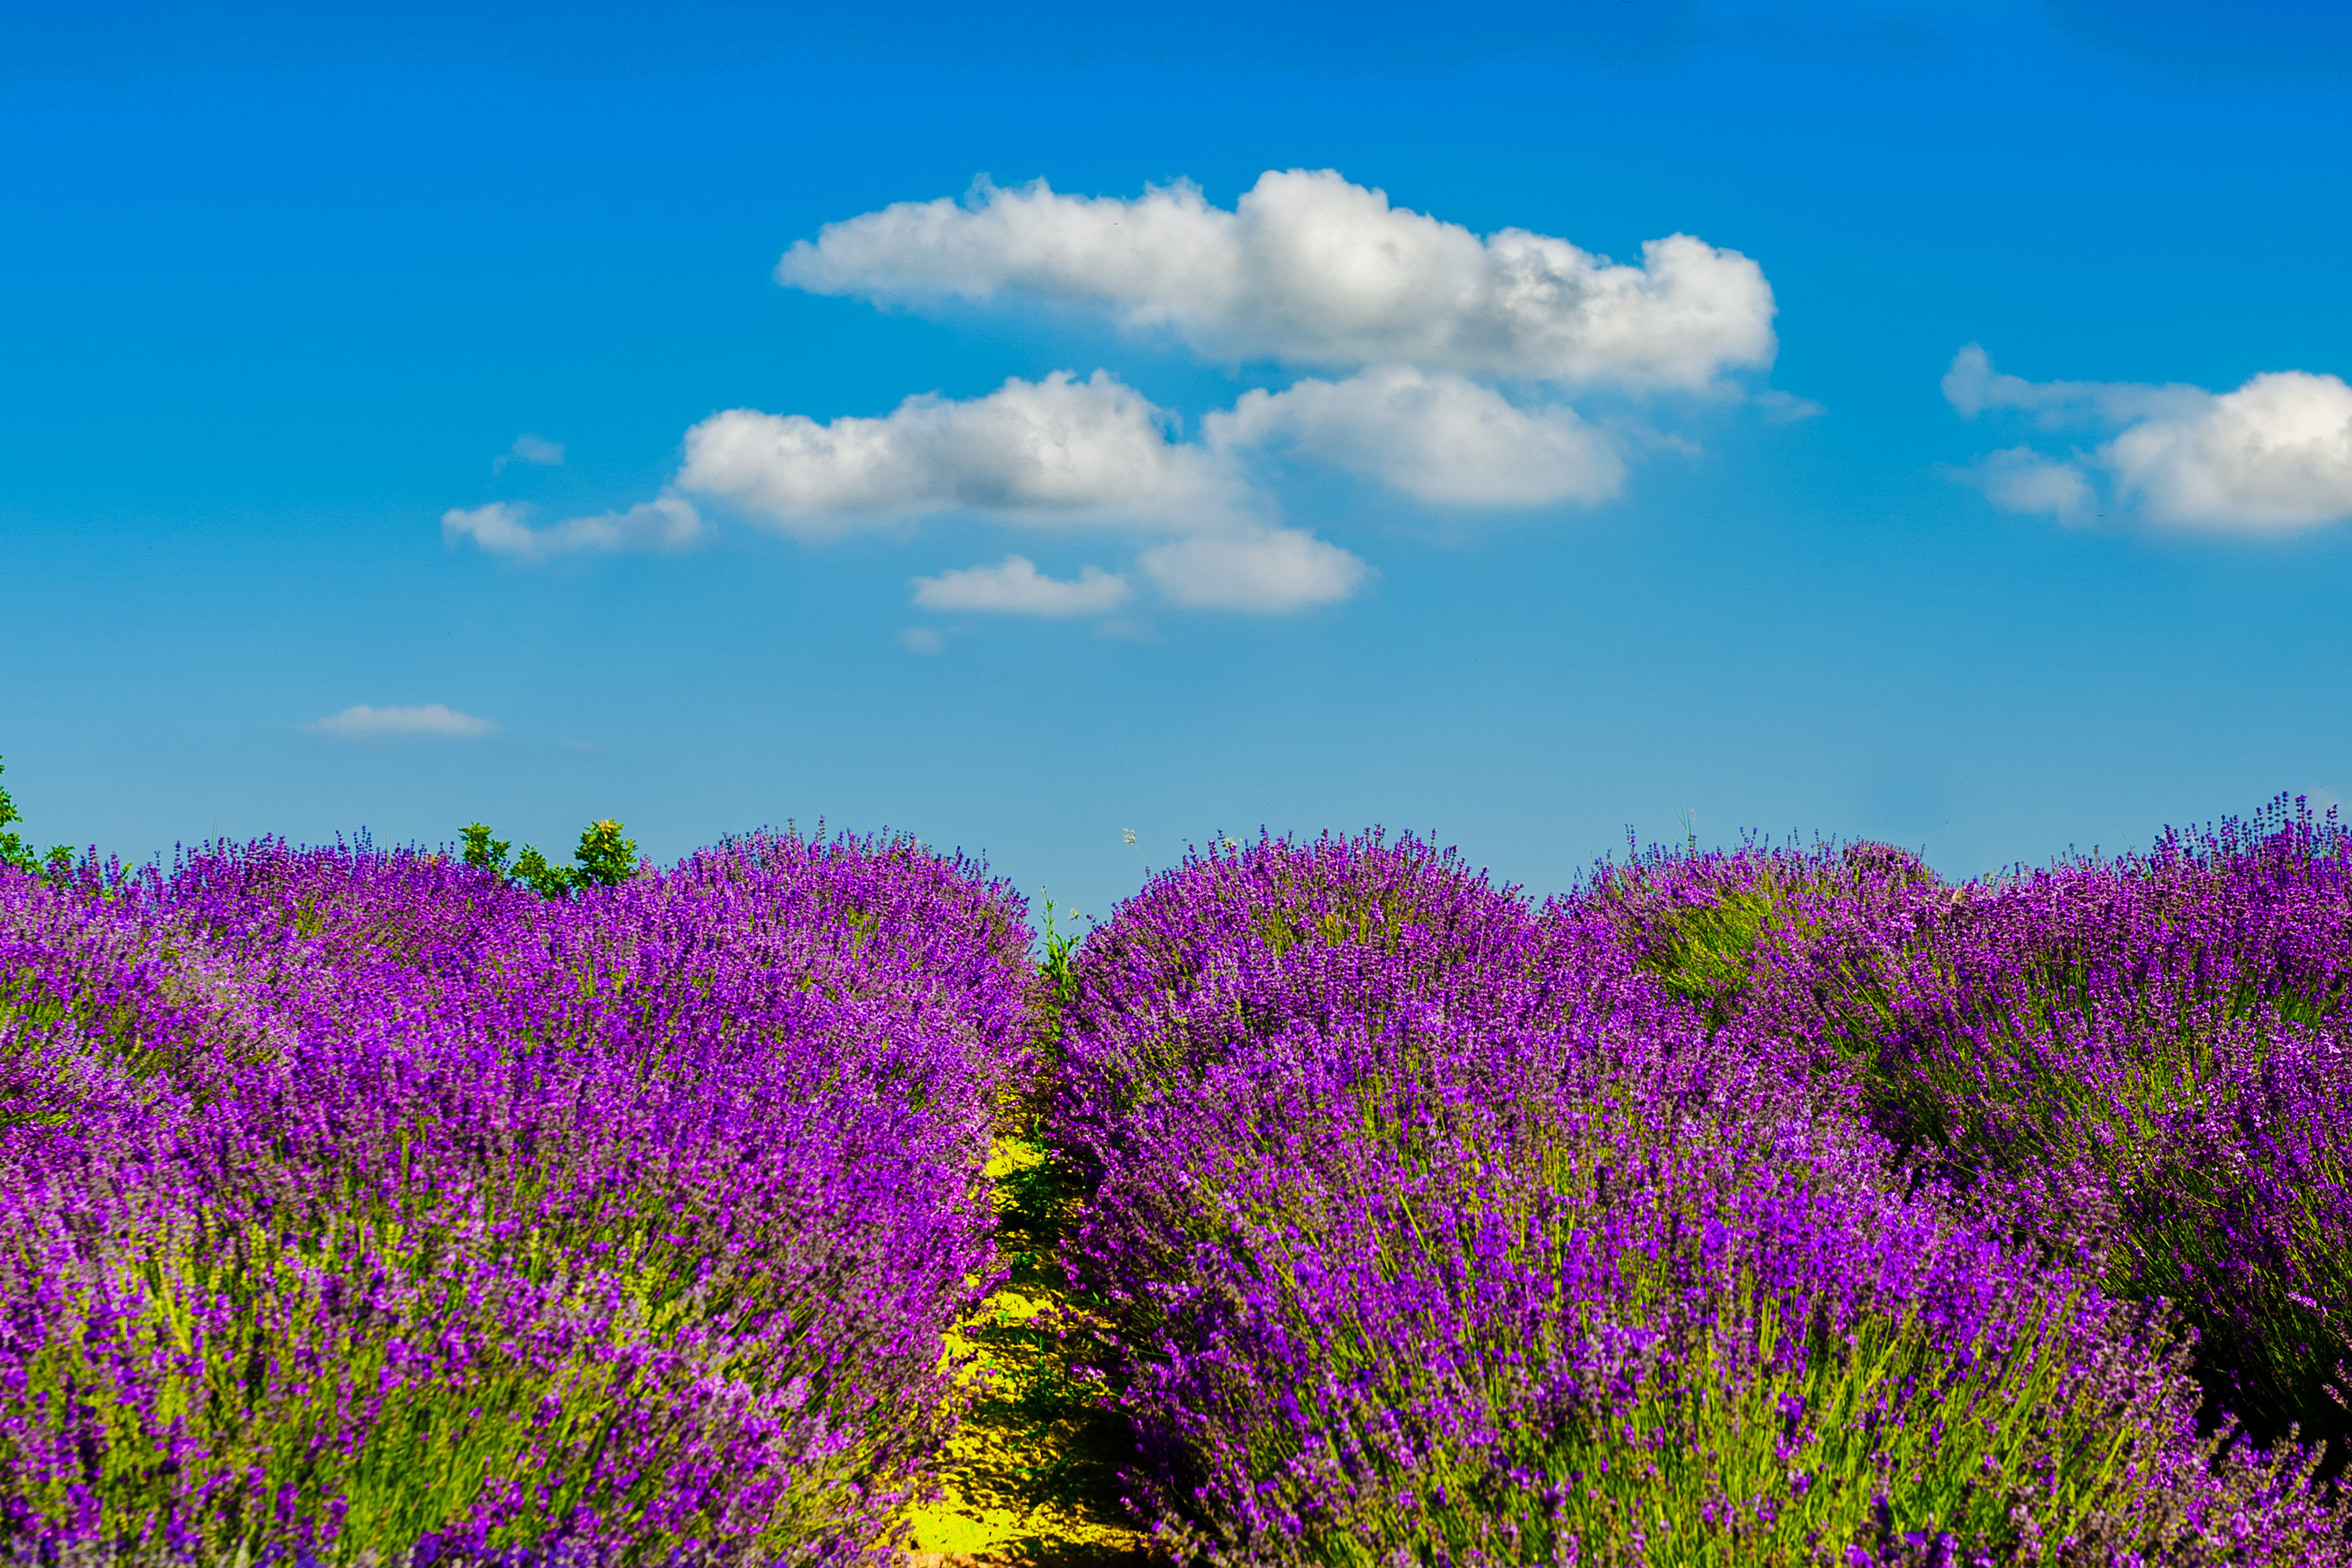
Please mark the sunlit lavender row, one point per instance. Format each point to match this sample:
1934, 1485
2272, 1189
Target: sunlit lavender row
359, 1203
1751, 1208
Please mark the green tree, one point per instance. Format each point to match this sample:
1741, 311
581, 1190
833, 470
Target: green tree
15, 851
533, 870
606, 858
482, 850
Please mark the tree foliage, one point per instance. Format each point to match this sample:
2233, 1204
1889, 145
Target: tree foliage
605, 857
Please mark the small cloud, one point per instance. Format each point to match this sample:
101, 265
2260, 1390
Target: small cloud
1262, 571
2019, 478
665, 522
428, 721
1015, 587
533, 449
1787, 408
1972, 387
922, 639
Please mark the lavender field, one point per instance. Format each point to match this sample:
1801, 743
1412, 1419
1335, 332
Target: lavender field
1331, 1202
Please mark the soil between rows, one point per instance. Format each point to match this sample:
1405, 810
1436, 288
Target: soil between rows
1032, 1474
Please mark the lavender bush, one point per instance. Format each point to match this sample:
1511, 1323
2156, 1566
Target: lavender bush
2140, 1062
357, 1204
1431, 1228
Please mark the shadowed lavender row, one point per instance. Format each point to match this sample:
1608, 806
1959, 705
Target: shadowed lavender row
358, 1201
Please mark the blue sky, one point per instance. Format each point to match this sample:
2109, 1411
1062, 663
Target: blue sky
319, 331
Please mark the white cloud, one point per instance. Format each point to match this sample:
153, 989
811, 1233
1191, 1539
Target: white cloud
1053, 451
2019, 478
1306, 269
1787, 408
430, 721
1972, 387
1057, 450
1309, 268
922, 639
1266, 570
1439, 438
529, 449
2272, 457
1014, 587
665, 522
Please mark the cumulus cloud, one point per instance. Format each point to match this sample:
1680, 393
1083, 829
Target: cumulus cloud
922, 639
1261, 570
1058, 450
1438, 437
1417, 319
429, 722
2273, 456
1095, 452
1014, 587
1309, 268
665, 522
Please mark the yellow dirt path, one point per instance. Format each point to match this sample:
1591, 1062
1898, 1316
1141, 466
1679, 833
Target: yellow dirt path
1023, 1476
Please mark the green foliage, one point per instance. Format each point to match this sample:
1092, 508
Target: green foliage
532, 872
1060, 975
1706, 953
1045, 1439
606, 858
15, 851
482, 850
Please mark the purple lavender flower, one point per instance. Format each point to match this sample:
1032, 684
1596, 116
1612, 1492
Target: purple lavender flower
1426, 1224
353, 1201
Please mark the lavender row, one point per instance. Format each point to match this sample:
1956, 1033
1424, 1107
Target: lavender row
1427, 1227
358, 1202
2141, 1062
